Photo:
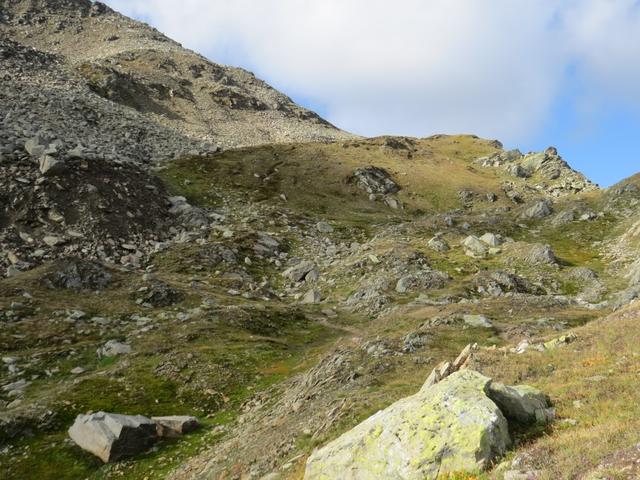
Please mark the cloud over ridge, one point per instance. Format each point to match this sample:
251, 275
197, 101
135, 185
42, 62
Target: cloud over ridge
491, 67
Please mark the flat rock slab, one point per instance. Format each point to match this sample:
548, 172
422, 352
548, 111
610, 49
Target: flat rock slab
112, 437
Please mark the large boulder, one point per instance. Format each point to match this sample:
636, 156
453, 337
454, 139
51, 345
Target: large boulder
112, 437
450, 426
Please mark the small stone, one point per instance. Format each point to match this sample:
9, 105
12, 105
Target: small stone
50, 166
52, 241
478, 321
313, 296
176, 425
324, 227
113, 348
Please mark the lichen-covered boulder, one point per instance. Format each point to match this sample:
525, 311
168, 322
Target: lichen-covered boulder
450, 426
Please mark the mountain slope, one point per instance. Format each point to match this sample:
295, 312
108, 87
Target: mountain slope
104, 54
281, 292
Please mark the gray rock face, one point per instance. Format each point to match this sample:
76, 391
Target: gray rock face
375, 180
112, 437
539, 254
534, 254
422, 279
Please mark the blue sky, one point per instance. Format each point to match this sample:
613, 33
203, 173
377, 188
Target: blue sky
531, 73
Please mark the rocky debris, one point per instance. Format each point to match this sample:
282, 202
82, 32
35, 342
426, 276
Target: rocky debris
266, 245
113, 348
592, 289
496, 283
135, 89
175, 426
444, 369
526, 345
532, 254
438, 244
77, 274
90, 211
538, 210
112, 437
15, 389
414, 341
451, 426
49, 166
158, 294
38, 107
423, 279
374, 180
370, 296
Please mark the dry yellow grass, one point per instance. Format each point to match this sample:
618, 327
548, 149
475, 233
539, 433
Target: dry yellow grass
594, 385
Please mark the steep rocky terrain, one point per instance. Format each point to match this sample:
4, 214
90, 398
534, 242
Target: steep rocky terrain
84, 74
286, 291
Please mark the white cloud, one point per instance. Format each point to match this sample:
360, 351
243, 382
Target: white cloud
491, 67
